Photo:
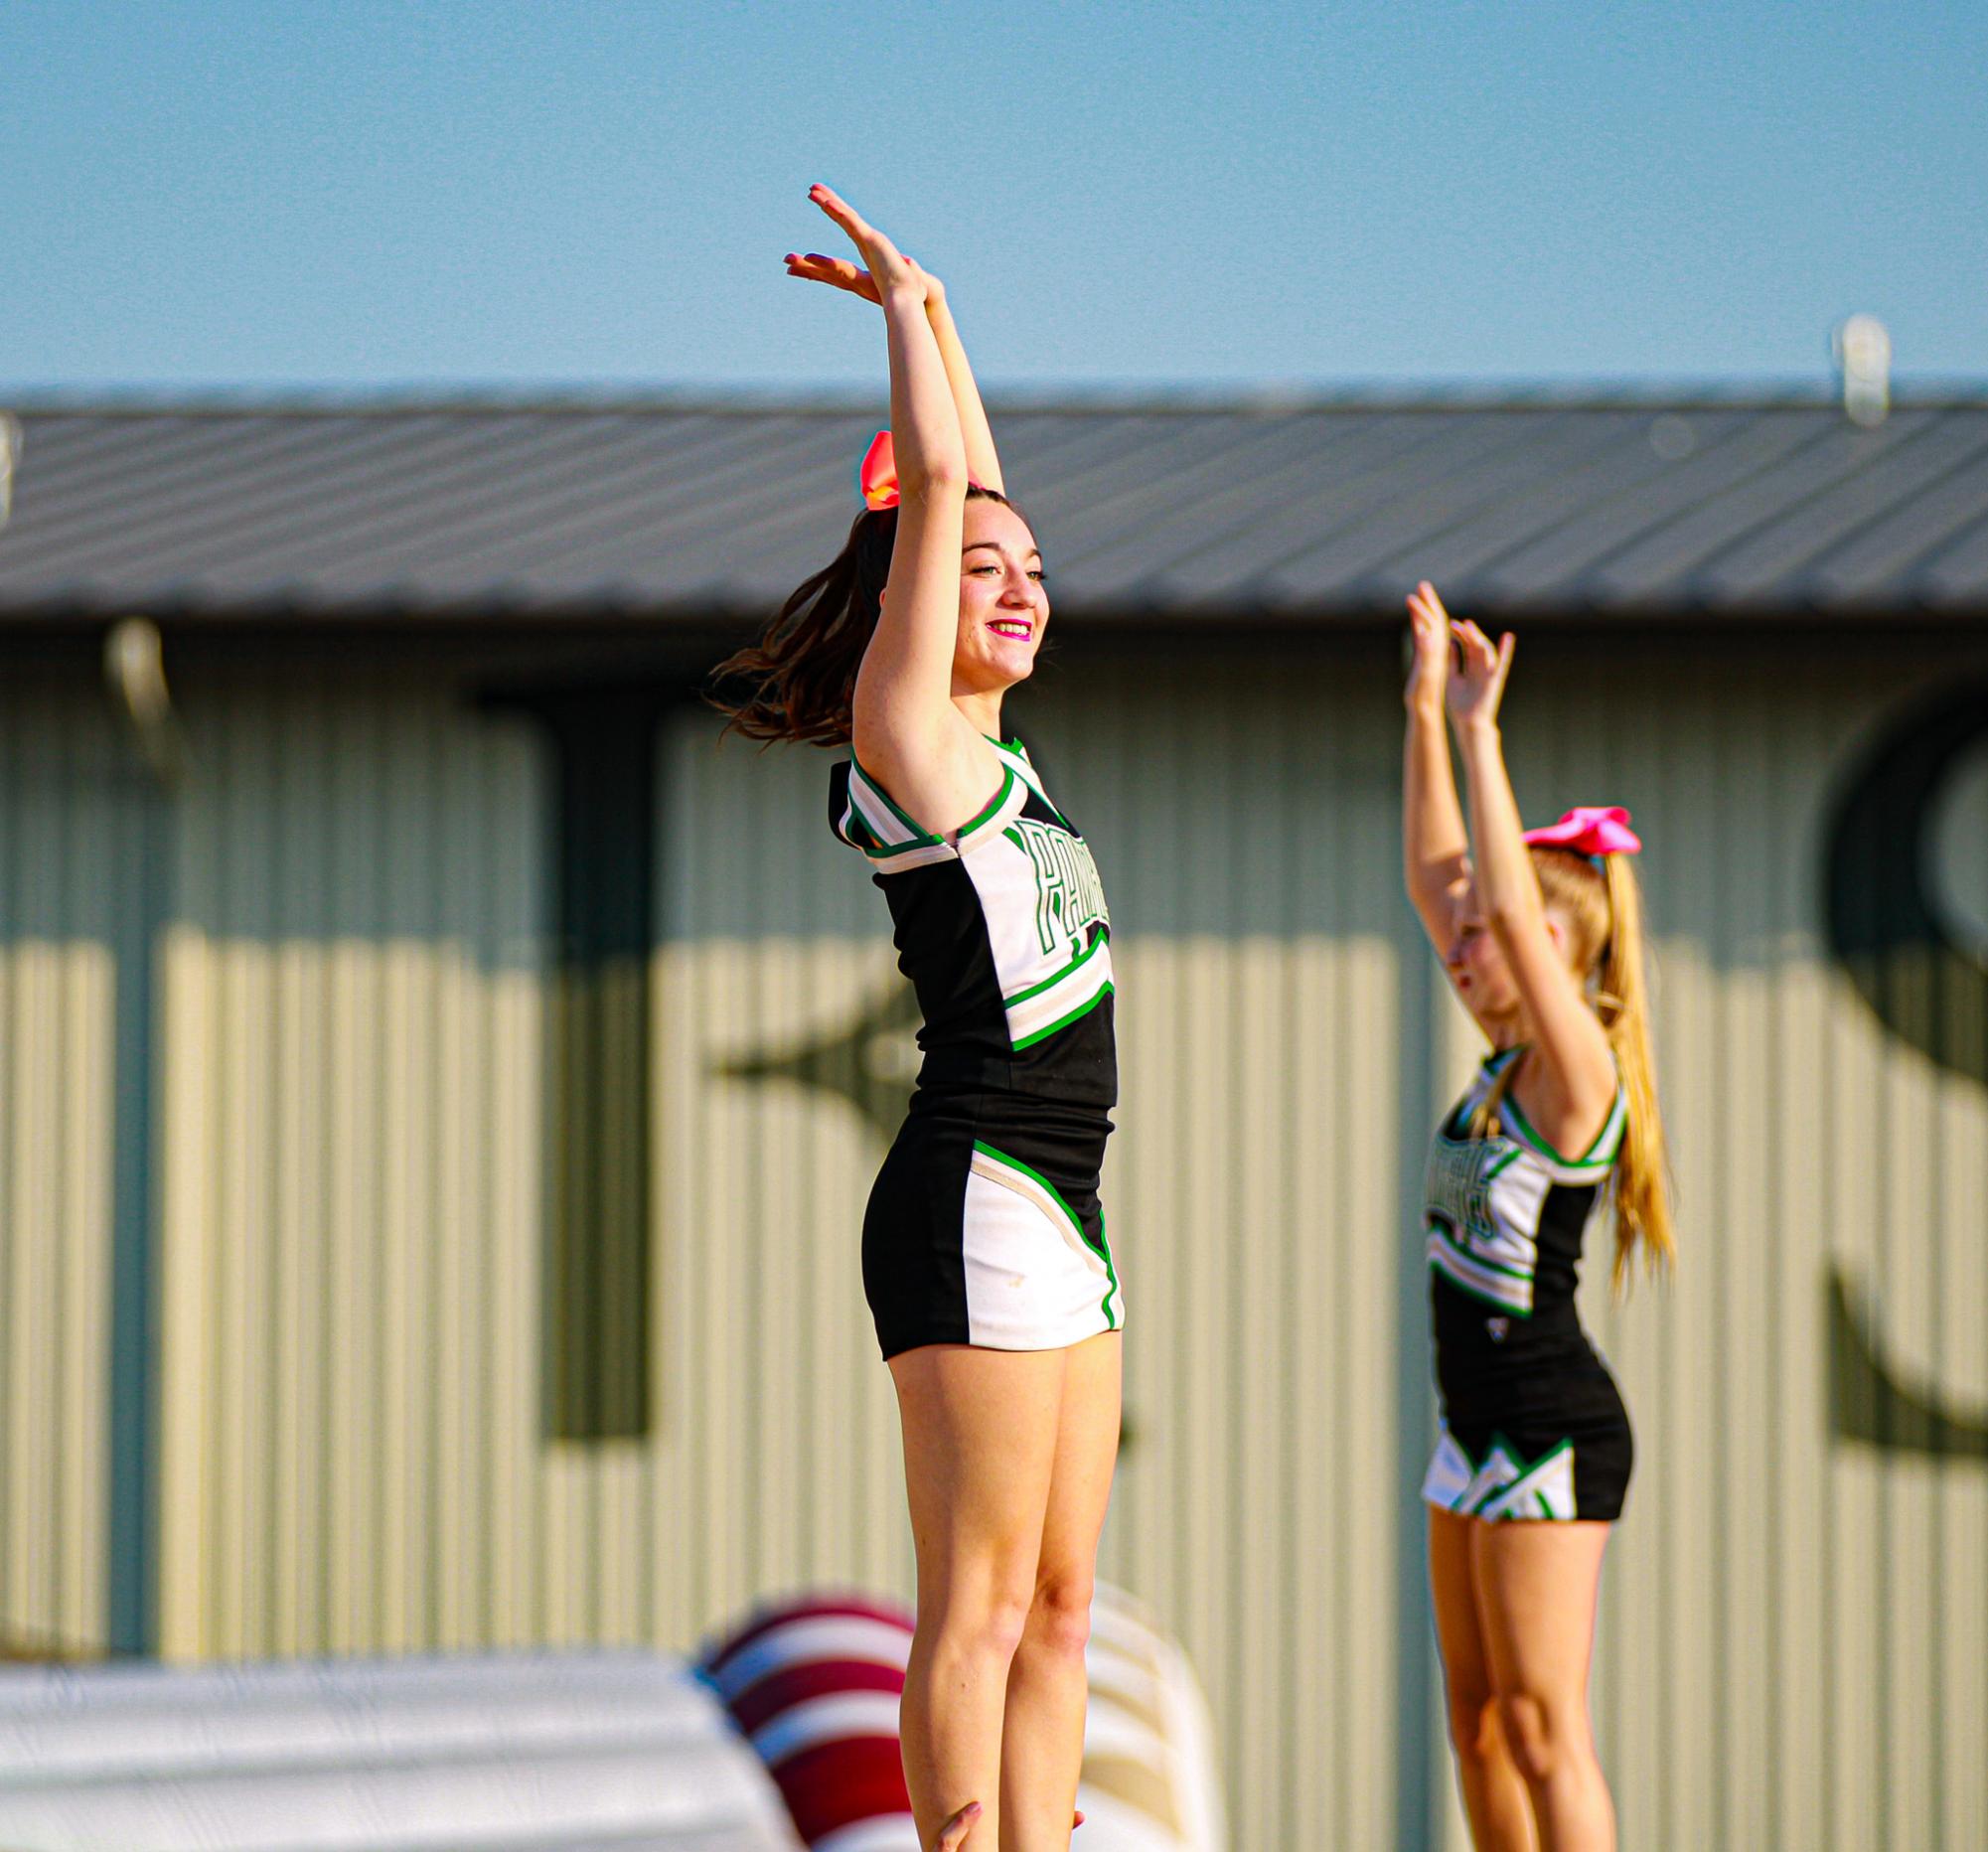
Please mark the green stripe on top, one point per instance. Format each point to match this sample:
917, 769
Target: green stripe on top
1475, 1259
1454, 1267
1084, 1008
1594, 1157
896, 810
852, 828
904, 848
1000, 797
1025, 770
1083, 958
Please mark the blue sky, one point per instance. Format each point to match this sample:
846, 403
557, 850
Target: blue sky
477, 193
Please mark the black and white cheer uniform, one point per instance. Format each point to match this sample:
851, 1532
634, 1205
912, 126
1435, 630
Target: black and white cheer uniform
1533, 1426
983, 1226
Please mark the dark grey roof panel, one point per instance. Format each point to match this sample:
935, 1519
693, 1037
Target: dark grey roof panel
1707, 458
1673, 560
1957, 572
1794, 545
1513, 457
1524, 507
1575, 507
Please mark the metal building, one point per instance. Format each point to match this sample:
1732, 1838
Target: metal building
439, 1085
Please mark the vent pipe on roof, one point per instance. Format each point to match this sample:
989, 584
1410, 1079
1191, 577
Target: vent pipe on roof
1863, 350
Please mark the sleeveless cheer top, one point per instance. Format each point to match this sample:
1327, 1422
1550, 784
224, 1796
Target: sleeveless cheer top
1506, 1215
1005, 935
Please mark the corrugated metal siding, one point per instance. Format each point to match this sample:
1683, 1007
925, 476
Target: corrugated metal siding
64, 820
352, 1203
1250, 1192
1794, 1648
353, 1123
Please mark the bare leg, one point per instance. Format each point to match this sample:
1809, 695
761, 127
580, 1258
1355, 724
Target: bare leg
1495, 1794
1537, 1585
979, 1449
1042, 1737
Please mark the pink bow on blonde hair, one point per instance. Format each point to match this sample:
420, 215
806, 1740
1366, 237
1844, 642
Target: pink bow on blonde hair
877, 474
1588, 830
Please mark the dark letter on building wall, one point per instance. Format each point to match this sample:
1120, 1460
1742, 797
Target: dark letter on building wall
597, 1282
1930, 990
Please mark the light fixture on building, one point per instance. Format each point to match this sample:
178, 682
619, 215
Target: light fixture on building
134, 665
10, 450
1863, 350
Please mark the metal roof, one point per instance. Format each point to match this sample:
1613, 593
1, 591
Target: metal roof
1519, 508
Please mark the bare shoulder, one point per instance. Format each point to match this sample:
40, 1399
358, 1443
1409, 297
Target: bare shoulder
939, 775
1567, 1095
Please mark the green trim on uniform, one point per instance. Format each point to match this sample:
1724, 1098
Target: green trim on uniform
852, 828
903, 848
1590, 1160
1102, 1250
1523, 1469
1063, 1022
1437, 1229
925, 839
1034, 1175
1531, 1468
1024, 767
1478, 1293
1083, 958
1000, 797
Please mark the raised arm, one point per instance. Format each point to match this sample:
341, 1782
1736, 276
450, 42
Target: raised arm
983, 465
1433, 845
982, 462
906, 730
1572, 1081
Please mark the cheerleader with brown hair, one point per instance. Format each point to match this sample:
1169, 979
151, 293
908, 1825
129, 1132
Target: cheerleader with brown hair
986, 1263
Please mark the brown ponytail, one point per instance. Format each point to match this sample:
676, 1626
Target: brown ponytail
795, 680
1603, 909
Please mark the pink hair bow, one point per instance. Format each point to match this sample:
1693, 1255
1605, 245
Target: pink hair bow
1590, 830
877, 474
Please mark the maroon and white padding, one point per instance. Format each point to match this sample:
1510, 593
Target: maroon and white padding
815, 1684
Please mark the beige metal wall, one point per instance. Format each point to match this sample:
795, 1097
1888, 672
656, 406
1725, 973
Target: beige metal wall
349, 1221
1250, 1196
1795, 1640
353, 1127
61, 826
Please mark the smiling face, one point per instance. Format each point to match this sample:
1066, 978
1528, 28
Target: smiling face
1003, 608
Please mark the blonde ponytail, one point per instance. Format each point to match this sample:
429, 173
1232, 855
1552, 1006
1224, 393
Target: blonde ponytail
1604, 911
1643, 1183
